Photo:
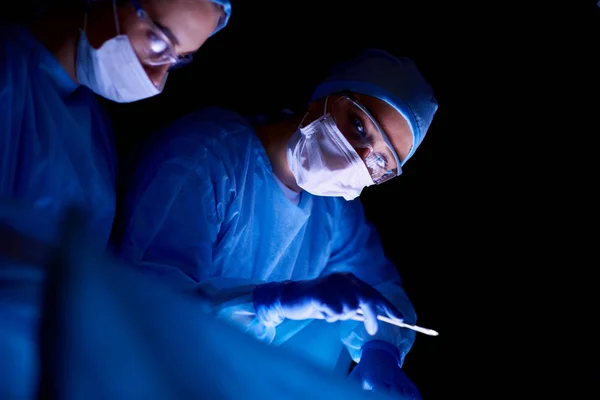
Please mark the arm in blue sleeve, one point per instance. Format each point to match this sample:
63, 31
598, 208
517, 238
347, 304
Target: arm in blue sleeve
171, 222
357, 249
17, 213
175, 214
21, 282
12, 89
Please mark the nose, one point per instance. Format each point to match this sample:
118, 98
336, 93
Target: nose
362, 152
157, 74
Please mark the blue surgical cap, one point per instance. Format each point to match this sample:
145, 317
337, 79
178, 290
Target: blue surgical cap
222, 21
397, 81
226, 14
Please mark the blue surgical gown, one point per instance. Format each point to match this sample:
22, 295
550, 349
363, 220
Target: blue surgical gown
56, 150
111, 347
204, 207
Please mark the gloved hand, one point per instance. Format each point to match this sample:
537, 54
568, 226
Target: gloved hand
379, 370
334, 297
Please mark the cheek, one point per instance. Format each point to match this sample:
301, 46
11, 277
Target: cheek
315, 110
363, 152
157, 74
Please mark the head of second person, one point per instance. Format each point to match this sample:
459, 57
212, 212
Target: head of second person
361, 126
127, 47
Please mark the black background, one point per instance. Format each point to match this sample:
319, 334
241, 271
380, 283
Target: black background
272, 55
474, 224
476, 217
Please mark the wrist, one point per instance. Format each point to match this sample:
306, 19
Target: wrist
267, 302
374, 346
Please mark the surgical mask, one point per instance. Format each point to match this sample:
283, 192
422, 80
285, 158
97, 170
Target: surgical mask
113, 71
324, 163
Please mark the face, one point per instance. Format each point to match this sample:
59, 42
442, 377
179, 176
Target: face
362, 119
169, 32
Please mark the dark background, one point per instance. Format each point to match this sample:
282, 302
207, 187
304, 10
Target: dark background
475, 223
272, 55
476, 219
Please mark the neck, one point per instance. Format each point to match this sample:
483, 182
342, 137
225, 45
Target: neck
274, 138
60, 34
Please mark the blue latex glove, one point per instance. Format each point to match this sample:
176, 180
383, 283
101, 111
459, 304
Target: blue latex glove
379, 370
332, 298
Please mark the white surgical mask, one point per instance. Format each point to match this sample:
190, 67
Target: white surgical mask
113, 71
324, 163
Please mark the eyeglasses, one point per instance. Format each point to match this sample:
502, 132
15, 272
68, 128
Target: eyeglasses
153, 44
363, 132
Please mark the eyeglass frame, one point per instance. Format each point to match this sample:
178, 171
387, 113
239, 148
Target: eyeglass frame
350, 96
142, 14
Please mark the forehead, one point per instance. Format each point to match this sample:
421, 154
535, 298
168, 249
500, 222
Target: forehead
191, 21
391, 121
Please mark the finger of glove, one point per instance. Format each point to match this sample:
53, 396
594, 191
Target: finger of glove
329, 314
369, 294
338, 312
302, 309
340, 304
370, 315
349, 313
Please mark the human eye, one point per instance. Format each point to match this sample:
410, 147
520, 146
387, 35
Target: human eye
358, 127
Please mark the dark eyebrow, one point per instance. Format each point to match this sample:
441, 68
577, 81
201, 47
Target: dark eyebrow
168, 32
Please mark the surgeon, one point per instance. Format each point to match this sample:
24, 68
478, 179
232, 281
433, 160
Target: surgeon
264, 218
56, 143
